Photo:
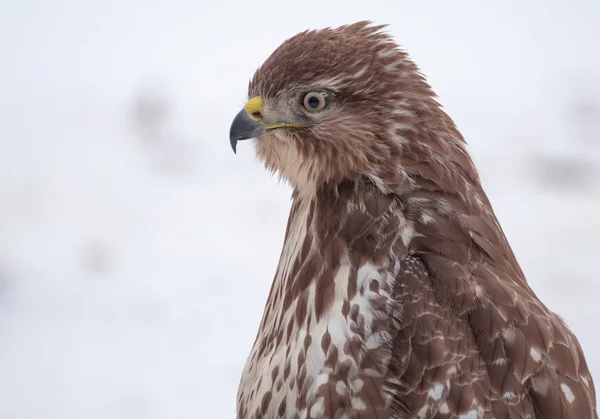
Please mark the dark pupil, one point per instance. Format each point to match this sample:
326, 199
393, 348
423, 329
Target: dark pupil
314, 102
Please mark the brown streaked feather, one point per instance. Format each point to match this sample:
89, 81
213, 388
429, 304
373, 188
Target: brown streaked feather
397, 294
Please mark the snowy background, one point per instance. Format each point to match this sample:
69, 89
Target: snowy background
137, 251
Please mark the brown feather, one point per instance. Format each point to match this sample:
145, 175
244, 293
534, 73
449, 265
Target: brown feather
397, 294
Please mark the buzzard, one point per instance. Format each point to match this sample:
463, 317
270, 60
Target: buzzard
397, 294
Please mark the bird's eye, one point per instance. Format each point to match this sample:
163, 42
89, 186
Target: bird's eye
314, 101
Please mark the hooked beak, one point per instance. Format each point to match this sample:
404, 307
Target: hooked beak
243, 128
248, 123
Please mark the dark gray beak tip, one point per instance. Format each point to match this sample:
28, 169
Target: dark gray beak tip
233, 142
243, 128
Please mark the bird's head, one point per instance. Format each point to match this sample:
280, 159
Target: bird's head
336, 104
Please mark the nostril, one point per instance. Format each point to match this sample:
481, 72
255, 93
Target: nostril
257, 114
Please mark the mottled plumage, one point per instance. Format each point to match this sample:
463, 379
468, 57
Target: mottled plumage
397, 294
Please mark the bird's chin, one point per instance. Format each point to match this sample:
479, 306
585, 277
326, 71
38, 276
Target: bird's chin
281, 155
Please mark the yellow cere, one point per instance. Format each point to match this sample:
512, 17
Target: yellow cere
255, 108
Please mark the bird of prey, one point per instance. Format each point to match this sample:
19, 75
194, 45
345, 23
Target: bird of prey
397, 294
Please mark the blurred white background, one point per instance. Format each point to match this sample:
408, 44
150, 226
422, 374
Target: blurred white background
137, 251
